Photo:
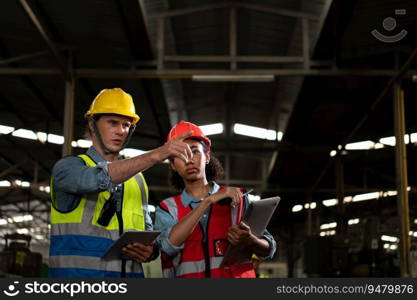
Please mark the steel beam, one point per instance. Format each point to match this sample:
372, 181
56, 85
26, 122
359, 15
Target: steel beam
398, 75
160, 43
340, 188
322, 18
149, 87
309, 223
238, 58
35, 171
402, 180
29, 71
23, 57
9, 106
191, 10
46, 33
10, 140
7, 161
12, 168
91, 73
279, 117
143, 63
233, 38
402, 73
306, 43
188, 73
68, 118
27, 82
173, 89
42, 31
134, 22
229, 98
278, 11
256, 7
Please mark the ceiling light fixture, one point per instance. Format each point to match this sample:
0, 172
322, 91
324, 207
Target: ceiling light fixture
256, 132
6, 129
212, 129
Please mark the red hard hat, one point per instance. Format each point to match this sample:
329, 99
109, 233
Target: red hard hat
183, 127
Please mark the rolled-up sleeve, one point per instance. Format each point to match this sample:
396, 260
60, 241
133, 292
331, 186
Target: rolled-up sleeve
148, 219
164, 223
148, 222
71, 175
272, 245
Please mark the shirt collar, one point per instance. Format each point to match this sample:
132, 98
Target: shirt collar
187, 199
95, 155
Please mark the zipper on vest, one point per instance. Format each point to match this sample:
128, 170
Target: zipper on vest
119, 210
119, 214
206, 245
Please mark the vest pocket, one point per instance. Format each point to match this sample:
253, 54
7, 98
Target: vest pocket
137, 221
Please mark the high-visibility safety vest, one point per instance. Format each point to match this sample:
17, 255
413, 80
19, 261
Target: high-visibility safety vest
78, 241
202, 257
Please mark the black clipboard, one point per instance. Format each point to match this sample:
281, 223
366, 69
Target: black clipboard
115, 250
257, 217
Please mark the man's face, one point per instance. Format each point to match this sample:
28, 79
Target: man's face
195, 169
114, 131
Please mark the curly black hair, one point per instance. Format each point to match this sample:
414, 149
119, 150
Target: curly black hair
214, 171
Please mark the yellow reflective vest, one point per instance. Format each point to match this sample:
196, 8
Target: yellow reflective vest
78, 241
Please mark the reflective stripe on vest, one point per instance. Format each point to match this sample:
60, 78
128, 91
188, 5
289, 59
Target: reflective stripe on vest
197, 266
78, 242
95, 263
198, 257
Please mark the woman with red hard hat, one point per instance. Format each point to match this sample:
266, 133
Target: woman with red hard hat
199, 223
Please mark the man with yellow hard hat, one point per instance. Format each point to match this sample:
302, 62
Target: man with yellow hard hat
97, 196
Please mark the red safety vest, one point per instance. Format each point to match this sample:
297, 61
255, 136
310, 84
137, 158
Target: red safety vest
201, 258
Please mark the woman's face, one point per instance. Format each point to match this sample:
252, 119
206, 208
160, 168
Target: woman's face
195, 169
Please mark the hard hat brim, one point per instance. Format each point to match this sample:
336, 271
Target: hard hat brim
135, 118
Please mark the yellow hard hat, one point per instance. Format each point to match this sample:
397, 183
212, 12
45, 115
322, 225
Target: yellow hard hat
113, 101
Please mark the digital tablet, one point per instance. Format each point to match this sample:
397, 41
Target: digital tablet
129, 237
257, 217
259, 213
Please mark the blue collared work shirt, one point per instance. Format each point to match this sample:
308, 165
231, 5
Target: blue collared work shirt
73, 178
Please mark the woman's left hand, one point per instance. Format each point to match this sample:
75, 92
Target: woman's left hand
240, 234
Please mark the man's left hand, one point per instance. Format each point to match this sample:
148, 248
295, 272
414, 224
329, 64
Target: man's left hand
240, 235
138, 252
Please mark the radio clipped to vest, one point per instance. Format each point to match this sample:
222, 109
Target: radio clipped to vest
107, 212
